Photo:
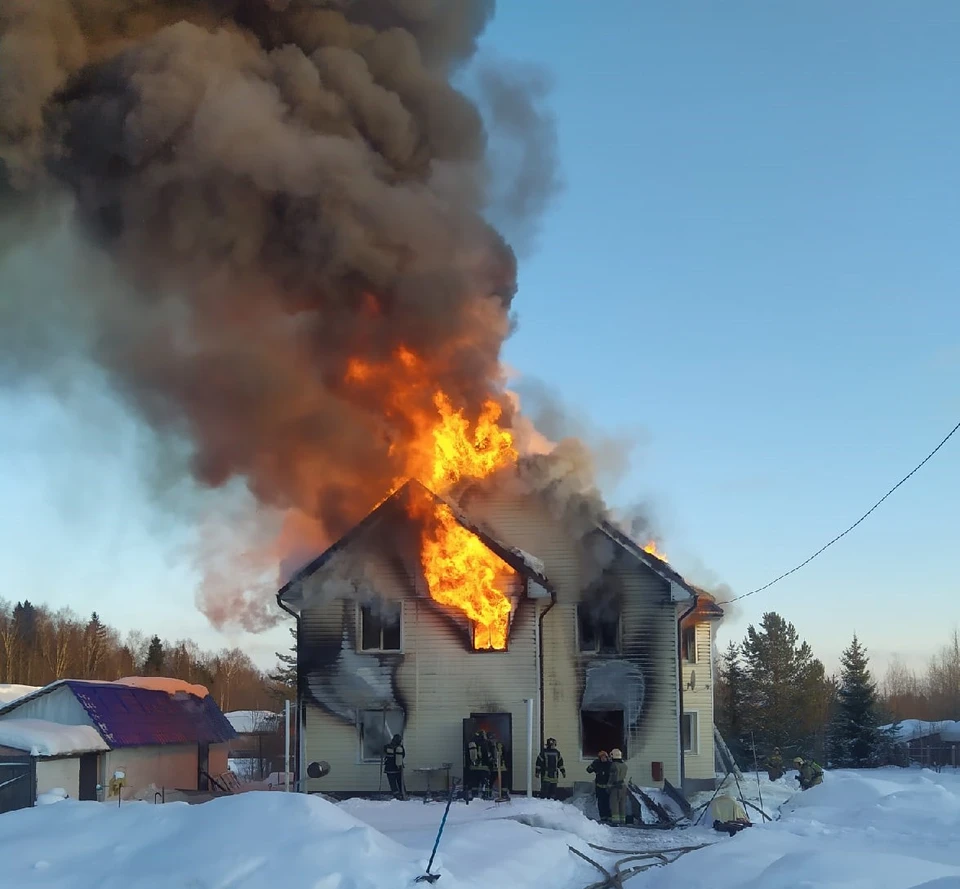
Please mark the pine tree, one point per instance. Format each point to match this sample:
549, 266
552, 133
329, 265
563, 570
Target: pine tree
153, 665
285, 674
95, 646
785, 686
730, 691
855, 739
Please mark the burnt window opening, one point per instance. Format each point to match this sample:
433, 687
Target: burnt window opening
689, 726
598, 628
688, 644
375, 729
602, 730
380, 627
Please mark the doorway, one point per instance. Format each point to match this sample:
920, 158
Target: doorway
89, 776
501, 725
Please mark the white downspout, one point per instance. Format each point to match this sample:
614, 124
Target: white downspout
529, 703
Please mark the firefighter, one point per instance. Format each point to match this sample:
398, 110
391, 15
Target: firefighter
618, 787
549, 769
600, 769
478, 764
809, 773
497, 765
775, 765
393, 754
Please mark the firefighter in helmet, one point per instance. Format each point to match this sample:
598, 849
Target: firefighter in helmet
549, 768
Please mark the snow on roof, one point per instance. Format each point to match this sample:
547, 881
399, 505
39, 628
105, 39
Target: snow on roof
44, 738
246, 722
915, 729
10, 693
164, 683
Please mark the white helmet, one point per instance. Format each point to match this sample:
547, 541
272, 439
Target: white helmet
616, 753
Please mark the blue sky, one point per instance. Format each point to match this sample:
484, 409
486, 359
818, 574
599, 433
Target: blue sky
752, 267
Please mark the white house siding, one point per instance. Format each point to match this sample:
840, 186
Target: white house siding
173, 766
437, 680
59, 706
649, 634
699, 765
63, 772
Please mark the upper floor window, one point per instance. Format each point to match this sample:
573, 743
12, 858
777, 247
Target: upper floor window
688, 644
380, 626
598, 628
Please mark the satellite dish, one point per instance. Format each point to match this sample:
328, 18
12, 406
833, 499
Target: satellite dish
693, 679
318, 769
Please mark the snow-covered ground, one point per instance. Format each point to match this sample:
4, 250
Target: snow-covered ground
9, 693
887, 829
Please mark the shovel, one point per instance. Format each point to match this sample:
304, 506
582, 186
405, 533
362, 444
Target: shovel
429, 877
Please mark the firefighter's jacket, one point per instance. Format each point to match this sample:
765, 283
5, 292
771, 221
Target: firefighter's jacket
393, 755
618, 773
550, 764
478, 753
601, 772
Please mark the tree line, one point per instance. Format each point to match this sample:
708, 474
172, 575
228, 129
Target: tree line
771, 691
39, 645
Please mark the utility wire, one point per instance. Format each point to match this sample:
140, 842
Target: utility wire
843, 534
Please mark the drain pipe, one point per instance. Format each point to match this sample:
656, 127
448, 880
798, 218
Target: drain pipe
299, 774
681, 760
529, 703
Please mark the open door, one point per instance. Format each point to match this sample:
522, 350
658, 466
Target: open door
203, 767
499, 724
89, 775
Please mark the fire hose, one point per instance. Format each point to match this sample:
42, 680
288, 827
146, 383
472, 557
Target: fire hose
429, 877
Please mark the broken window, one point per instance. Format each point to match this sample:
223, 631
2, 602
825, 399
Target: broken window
688, 644
688, 732
598, 627
601, 730
380, 626
376, 728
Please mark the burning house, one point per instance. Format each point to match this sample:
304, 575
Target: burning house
431, 619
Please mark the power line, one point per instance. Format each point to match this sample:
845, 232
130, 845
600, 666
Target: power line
843, 534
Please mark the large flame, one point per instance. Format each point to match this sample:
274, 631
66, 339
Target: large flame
445, 449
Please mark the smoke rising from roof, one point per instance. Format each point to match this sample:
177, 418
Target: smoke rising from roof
280, 186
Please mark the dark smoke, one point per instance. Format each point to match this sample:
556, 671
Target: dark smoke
281, 185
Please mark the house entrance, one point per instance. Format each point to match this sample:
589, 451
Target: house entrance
89, 776
499, 724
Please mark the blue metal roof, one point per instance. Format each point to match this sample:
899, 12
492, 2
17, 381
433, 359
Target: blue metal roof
127, 716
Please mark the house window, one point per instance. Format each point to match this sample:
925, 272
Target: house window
601, 730
376, 728
689, 732
688, 644
598, 628
380, 626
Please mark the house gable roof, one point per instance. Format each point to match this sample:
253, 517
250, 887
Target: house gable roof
679, 587
130, 716
396, 504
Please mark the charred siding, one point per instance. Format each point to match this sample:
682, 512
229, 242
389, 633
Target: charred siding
437, 680
648, 633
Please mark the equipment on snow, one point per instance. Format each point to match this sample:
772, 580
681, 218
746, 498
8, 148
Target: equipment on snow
429, 877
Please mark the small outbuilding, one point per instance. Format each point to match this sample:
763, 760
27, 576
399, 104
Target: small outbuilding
101, 740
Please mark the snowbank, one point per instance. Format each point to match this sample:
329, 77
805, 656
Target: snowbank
10, 693
44, 738
265, 840
246, 722
164, 683
882, 829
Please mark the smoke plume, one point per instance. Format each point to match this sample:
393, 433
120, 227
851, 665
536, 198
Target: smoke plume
281, 187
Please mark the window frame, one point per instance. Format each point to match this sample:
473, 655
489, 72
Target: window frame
598, 650
621, 744
687, 659
694, 748
380, 649
360, 735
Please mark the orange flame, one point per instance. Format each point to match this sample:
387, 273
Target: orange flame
651, 547
446, 449
462, 573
